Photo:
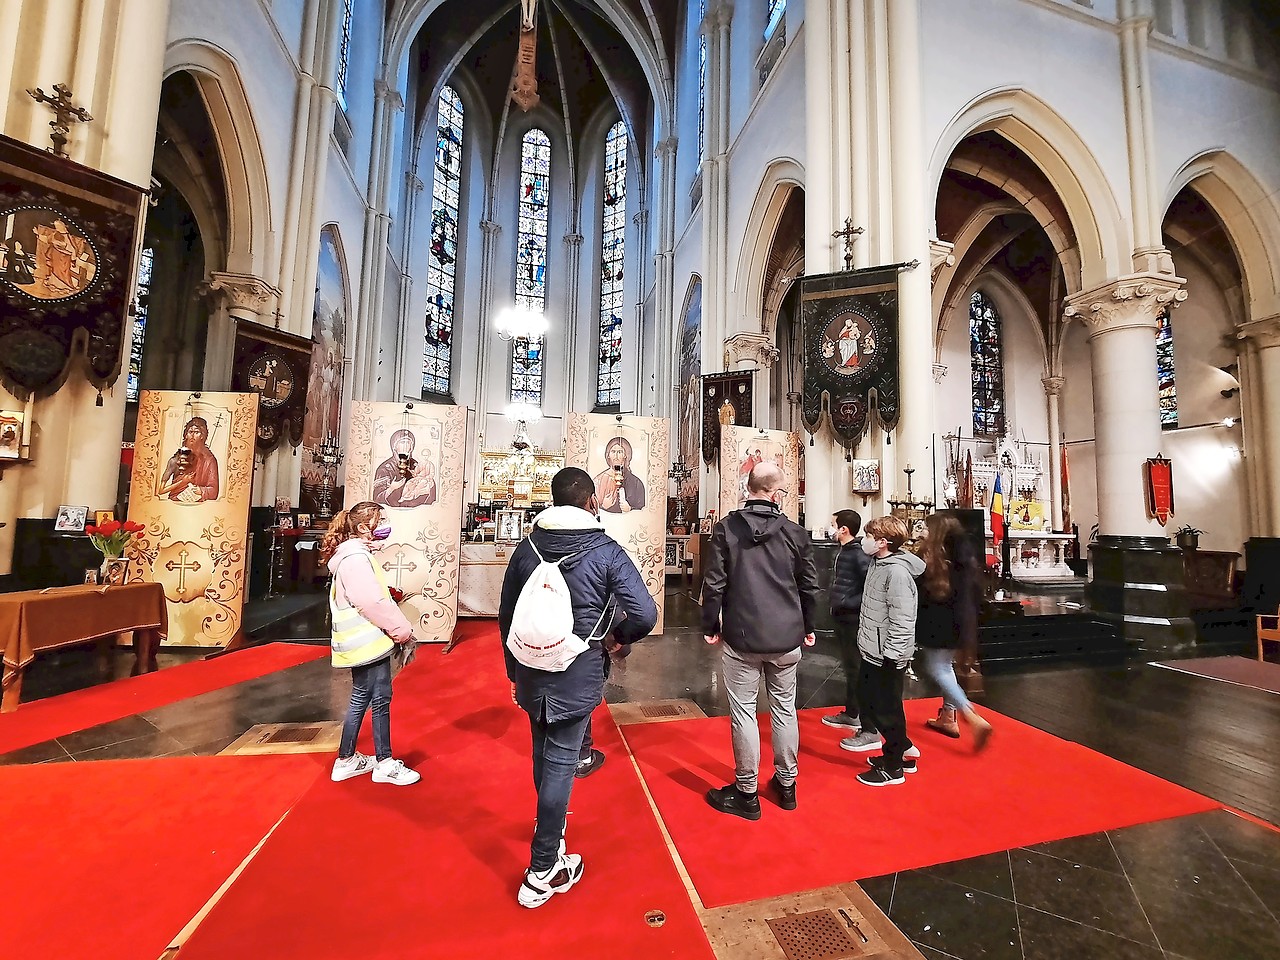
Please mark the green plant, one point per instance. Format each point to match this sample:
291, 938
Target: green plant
1187, 530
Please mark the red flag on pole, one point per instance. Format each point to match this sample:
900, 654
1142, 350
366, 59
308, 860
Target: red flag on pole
997, 513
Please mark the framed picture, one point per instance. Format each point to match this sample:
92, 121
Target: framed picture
283, 505
103, 516
91, 575
117, 571
866, 476
284, 522
11, 434
510, 524
304, 521
70, 519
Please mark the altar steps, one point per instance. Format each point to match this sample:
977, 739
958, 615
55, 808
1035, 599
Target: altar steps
1056, 638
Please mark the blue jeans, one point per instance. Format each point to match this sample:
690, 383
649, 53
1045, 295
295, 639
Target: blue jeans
370, 683
937, 666
555, 758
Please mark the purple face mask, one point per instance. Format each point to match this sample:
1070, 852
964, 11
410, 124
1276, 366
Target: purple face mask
382, 532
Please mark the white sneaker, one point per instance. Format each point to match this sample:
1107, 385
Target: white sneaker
344, 768
394, 771
912, 753
862, 743
537, 888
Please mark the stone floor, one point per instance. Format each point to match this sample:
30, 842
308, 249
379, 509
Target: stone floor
1197, 888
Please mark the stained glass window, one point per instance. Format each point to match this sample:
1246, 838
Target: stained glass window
986, 347
702, 78
776, 10
613, 237
344, 52
132, 385
1165, 371
531, 262
437, 356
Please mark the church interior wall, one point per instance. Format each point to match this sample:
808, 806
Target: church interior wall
1077, 426
688, 99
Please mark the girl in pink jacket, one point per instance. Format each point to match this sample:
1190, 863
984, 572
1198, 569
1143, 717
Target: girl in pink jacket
367, 625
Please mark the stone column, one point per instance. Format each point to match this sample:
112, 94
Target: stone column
659, 399
571, 335
1138, 580
490, 231
408, 382
1053, 396
1262, 351
1149, 253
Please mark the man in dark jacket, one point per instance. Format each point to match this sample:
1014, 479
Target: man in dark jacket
608, 595
759, 597
847, 578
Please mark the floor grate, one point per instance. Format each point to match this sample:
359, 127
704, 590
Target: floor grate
654, 710
292, 734
817, 935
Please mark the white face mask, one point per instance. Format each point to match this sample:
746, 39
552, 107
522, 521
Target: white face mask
870, 546
833, 532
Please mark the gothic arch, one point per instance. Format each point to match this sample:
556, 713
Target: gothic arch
1053, 145
1251, 219
244, 171
781, 177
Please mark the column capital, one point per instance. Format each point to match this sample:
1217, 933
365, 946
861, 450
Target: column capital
1262, 334
1133, 301
665, 148
414, 182
941, 254
384, 91
723, 14
1053, 385
573, 239
641, 218
243, 292
750, 346
939, 373
490, 228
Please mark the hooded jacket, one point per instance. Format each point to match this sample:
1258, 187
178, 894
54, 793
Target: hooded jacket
607, 593
760, 590
847, 578
887, 630
356, 585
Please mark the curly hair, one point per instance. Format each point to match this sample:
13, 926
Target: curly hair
345, 525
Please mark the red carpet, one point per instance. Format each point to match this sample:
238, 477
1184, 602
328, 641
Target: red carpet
361, 869
1028, 787
110, 860
57, 716
1259, 674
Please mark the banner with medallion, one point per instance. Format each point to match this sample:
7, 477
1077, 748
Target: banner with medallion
850, 322
190, 489
1159, 471
276, 365
409, 457
726, 398
68, 238
628, 458
741, 449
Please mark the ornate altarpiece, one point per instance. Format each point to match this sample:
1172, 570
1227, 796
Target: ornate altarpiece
422, 499
519, 478
737, 388
191, 494
633, 500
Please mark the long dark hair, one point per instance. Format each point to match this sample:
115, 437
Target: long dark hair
345, 525
942, 544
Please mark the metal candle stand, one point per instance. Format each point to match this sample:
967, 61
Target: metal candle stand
328, 455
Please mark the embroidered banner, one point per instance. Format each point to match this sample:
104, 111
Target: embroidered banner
628, 458
276, 366
1160, 488
190, 488
409, 458
850, 323
736, 389
741, 448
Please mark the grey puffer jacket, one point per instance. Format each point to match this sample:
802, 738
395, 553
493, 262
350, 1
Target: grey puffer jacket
888, 627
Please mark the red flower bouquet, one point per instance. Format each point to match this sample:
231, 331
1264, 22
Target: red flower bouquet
112, 537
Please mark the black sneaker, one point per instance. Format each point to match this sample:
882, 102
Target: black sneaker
908, 764
880, 777
590, 765
842, 719
730, 799
786, 795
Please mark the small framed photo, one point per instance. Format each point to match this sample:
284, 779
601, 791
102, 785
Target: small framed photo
284, 522
304, 521
509, 526
117, 571
706, 524
866, 477
70, 519
91, 575
103, 516
11, 434
283, 505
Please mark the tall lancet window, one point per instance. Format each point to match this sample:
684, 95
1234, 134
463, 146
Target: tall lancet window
612, 232
437, 356
1165, 371
531, 262
777, 9
132, 385
702, 79
986, 347
344, 52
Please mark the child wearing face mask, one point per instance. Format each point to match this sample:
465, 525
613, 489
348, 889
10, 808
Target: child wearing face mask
367, 625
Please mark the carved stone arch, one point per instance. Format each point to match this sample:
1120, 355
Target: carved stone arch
1250, 216
781, 178
244, 171
1061, 154
997, 282
965, 238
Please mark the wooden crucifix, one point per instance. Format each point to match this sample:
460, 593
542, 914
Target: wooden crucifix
524, 80
849, 233
65, 113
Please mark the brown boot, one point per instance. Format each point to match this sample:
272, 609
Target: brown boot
981, 730
945, 723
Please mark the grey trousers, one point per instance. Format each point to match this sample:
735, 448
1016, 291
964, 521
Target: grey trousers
742, 672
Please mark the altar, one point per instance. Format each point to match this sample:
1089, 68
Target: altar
480, 578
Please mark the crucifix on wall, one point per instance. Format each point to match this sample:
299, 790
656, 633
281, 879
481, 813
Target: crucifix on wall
524, 79
65, 113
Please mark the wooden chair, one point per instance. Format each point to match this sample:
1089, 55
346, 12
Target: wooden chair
1268, 629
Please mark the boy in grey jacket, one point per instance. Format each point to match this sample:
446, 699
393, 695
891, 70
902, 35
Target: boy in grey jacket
886, 641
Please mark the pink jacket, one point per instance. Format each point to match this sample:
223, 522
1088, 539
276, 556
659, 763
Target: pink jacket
357, 586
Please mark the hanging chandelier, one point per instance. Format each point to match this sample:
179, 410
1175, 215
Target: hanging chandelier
520, 323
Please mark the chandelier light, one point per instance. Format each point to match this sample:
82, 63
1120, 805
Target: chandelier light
520, 323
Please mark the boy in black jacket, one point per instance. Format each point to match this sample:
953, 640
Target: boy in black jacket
847, 578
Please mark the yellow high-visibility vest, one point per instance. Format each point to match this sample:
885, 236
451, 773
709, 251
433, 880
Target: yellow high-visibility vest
355, 640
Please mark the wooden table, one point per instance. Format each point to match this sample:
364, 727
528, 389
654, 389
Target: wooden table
37, 620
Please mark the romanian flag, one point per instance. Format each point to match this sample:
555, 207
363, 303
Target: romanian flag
997, 513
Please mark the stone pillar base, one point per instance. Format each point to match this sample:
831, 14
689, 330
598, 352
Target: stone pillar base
1139, 585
